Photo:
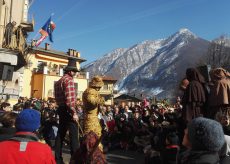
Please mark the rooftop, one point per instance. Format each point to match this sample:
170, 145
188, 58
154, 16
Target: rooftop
55, 53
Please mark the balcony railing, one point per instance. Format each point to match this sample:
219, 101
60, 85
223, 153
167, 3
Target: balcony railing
9, 92
57, 72
81, 75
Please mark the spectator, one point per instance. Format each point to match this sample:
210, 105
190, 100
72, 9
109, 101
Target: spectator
146, 116
116, 114
19, 105
8, 129
128, 113
124, 131
122, 107
224, 153
225, 122
170, 153
219, 97
24, 147
152, 152
140, 134
204, 138
50, 124
5, 107
194, 96
109, 111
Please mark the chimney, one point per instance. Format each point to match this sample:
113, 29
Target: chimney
78, 54
74, 53
70, 52
47, 46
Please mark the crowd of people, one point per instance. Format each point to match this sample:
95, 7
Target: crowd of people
194, 129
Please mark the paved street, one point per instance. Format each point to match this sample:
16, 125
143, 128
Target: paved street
125, 157
117, 157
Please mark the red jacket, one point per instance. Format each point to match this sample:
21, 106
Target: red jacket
29, 152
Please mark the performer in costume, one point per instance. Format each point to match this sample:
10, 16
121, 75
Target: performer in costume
91, 101
65, 95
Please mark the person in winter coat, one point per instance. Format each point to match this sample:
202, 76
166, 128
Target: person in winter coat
219, 97
4, 107
170, 152
8, 129
24, 147
194, 95
224, 153
204, 138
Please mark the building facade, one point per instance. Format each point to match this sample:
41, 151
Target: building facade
15, 25
45, 67
107, 91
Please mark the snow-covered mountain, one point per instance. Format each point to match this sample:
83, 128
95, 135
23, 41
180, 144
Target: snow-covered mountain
152, 68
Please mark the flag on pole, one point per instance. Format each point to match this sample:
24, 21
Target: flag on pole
45, 31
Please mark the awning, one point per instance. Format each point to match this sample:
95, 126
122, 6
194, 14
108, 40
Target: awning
7, 56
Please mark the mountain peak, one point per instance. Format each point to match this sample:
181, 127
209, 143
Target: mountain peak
185, 31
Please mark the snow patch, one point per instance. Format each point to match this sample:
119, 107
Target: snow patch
156, 91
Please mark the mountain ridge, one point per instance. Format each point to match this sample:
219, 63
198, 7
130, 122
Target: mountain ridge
151, 67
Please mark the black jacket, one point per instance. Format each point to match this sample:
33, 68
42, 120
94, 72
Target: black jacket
199, 157
6, 133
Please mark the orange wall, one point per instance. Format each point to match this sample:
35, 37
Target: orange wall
37, 81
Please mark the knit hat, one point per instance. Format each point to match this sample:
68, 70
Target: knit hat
205, 134
28, 120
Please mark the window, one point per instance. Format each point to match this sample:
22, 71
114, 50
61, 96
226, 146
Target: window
41, 65
105, 87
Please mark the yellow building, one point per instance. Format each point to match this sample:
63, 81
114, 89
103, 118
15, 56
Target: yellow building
26, 71
107, 91
44, 68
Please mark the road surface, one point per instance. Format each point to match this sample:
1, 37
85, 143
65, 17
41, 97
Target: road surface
116, 157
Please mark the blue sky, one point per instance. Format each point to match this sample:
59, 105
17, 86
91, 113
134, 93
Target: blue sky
96, 27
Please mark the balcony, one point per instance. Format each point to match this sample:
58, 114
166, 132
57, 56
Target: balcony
14, 38
27, 26
82, 75
55, 70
